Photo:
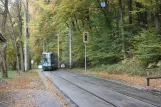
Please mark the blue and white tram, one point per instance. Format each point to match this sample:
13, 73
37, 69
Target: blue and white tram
49, 61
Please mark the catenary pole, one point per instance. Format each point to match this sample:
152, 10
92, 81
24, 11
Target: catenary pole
58, 50
70, 44
26, 55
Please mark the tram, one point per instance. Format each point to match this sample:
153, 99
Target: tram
49, 61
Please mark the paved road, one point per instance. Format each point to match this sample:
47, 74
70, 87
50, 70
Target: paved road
88, 91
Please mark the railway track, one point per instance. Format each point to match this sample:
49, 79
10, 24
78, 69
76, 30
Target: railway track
72, 103
88, 92
62, 76
116, 86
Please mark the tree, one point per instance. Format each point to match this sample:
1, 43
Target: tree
113, 29
19, 21
3, 56
3, 29
156, 15
14, 42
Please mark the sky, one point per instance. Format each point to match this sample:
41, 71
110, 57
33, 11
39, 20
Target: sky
9, 6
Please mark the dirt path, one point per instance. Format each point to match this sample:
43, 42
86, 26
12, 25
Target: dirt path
26, 90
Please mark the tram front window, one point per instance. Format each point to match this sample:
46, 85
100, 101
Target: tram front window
46, 57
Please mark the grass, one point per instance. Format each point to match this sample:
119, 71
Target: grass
11, 74
130, 73
131, 68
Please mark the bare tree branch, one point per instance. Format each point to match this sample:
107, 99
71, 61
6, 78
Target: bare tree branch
1, 5
2, 2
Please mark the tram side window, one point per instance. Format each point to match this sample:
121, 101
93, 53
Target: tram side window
55, 57
52, 58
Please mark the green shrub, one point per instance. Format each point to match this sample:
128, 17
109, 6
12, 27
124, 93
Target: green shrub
148, 46
130, 68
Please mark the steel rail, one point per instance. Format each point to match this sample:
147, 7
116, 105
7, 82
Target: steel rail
86, 90
134, 97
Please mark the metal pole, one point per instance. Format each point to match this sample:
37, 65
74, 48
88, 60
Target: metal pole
43, 45
26, 63
58, 50
70, 45
48, 47
85, 57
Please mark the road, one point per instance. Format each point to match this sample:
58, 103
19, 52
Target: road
88, 91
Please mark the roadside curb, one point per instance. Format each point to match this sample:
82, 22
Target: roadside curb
49, 88
43, 79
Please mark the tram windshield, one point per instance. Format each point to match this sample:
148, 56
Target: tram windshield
46, 57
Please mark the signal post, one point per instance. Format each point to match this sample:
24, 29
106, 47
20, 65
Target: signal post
85, 41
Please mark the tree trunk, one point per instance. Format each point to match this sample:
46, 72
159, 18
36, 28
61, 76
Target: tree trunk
3, 52
20, 34
87, 18
122, 29
130, 9
4, 67
116, 16
156, 15
142, 16
14, 43
4, 16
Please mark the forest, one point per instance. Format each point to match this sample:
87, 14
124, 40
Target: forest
124, 35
